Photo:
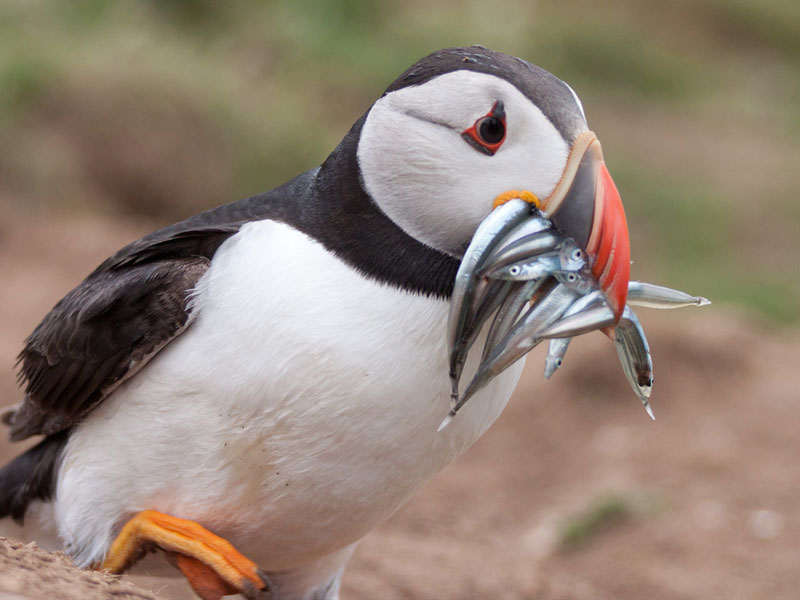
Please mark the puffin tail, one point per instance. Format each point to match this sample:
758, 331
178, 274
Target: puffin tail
31, 476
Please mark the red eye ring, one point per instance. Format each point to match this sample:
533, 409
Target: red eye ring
488, 133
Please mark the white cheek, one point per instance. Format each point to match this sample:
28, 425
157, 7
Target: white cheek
533, 155
414, 172
432, 183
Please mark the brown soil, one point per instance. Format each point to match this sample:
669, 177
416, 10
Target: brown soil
700, 503
29, 573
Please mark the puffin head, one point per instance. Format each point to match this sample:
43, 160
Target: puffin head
465, 128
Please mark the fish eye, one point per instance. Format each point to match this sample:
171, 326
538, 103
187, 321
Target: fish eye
515, 270
572, 277
577, 254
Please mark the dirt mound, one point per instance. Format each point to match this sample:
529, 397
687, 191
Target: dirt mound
29, 573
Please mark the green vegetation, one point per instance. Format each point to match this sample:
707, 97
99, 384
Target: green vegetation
166, 107
605, 513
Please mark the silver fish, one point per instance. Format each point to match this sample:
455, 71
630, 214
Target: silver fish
657, 296
572, 256
535, 224
517, 257
482, 307
557, 347
509, 311
588, 313
580, 281
568, 257
530, 268
489, 233
521, 249
495, 295
634, 355
531, 246
520, 340
590, 319
556, 351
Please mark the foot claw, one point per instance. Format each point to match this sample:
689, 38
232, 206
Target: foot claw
250, 591
212, 565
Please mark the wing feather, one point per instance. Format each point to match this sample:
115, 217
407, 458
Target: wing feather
109, 327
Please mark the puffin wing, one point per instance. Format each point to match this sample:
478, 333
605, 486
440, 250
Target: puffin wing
108, 327
131, 306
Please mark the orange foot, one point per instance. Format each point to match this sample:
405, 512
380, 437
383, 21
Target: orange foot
212, 565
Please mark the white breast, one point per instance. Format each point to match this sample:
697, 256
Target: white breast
297, 412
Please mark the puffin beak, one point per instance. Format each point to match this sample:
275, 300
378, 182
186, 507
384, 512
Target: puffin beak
577, 241
552, 273
586, 206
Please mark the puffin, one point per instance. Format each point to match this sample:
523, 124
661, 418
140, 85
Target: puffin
254, 389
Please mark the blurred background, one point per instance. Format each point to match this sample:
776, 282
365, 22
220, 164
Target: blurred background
117, 117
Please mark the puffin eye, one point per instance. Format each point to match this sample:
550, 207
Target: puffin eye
491, 130
488, 132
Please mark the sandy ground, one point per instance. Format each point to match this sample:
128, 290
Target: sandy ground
28, 572
701, 503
